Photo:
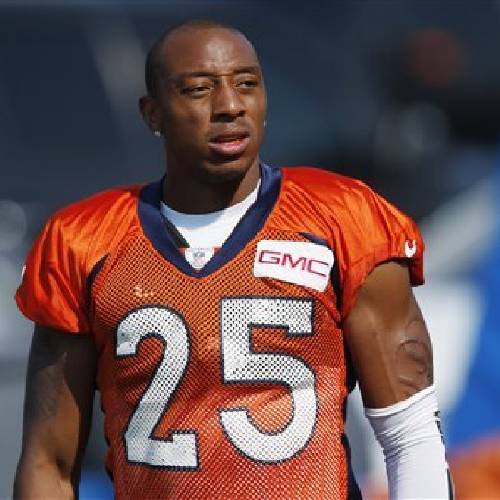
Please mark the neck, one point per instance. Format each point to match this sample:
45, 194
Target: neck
192, 195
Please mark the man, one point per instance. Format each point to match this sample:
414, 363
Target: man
225, 311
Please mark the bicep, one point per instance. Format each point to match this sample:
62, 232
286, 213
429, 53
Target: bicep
59, 396
388, 339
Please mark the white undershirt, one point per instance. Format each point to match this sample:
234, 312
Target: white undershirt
212, 229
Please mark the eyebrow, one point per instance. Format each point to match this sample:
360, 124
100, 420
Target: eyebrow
209, 74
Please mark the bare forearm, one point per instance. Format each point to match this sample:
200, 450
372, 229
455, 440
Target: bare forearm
42, 479
57, 412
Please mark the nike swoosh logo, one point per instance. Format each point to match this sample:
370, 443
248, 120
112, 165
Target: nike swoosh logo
410, 251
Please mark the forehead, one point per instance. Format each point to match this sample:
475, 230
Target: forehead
214, 50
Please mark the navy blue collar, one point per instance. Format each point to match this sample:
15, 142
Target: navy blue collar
156, 230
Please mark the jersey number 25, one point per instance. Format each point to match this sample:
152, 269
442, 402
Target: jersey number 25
179, 450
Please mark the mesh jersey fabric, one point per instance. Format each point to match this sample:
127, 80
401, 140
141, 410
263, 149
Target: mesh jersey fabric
221, 385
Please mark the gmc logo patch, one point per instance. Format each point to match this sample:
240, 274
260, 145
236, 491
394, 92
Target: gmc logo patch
286, 259
299, 262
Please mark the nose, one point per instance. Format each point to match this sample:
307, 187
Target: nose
227, 103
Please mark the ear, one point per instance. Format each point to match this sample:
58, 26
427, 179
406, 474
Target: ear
151, 113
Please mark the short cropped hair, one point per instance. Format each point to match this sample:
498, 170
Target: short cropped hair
154, 68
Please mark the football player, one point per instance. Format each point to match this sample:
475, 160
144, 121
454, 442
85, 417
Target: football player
226, 311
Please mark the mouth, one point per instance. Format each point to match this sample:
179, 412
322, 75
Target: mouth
229, 144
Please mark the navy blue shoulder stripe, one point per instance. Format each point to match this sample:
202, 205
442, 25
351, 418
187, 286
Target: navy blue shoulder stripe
92, 276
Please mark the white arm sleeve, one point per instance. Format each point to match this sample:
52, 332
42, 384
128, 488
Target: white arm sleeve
410, 435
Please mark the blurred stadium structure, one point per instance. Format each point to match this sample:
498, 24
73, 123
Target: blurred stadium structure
405, 95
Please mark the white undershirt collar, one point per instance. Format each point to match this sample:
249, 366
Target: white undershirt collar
212, 229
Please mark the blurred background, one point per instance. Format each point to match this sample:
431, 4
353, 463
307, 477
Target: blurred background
402, 94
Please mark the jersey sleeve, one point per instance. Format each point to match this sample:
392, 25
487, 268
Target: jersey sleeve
375, 231
52, 291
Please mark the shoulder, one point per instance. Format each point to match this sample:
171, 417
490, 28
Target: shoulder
88, 229
348, 204
366, 229
98, 207
328, 188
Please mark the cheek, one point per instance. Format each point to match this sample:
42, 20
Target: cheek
259, 119
257, 110
257, 103
188, 120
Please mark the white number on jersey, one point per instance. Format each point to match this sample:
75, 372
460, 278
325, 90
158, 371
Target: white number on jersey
241, 365
179, 450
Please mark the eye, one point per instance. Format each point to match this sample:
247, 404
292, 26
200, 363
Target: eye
196, 90
248, 83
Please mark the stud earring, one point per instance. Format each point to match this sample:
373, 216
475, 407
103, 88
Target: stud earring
157, 133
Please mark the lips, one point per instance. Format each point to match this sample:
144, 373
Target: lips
229, 143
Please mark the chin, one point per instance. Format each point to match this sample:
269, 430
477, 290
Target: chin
228, 170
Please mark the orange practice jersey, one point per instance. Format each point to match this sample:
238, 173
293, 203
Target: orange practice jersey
229, 382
